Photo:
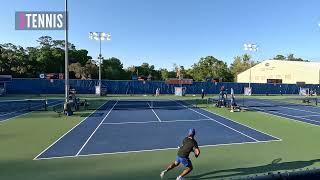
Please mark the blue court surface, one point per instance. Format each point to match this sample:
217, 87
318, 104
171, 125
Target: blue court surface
125, 126
298, 112
10, 109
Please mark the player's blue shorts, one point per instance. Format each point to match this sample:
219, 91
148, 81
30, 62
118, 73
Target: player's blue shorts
185, 161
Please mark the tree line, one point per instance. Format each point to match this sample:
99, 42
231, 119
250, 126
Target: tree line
48, 57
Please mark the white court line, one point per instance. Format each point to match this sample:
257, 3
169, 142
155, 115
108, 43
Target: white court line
131, 104
242, 124
96, 129
270, 112
218, 122
282, 117
121, 123
152, 150
186, 120
147, 122
67, 132
290, 108
164, 107
133, 101
294, 104
138, 108
154, 112
23, 114
155, 150
310, 115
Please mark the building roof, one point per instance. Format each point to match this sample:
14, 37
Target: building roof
286, 71
301, 64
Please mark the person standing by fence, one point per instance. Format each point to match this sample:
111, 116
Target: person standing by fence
202, 93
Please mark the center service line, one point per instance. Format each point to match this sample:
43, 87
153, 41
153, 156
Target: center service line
96, 129
154, 113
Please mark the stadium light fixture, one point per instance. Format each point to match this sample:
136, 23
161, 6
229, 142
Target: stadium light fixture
251, 48
100, 36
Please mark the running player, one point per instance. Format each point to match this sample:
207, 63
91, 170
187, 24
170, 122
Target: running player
189, 144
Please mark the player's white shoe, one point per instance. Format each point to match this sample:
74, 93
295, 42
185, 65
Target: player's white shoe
162, 173
180, 178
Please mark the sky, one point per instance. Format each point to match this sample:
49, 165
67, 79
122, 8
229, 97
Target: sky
164, 32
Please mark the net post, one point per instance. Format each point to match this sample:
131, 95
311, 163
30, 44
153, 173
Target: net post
46, 104
29, 105
208, 102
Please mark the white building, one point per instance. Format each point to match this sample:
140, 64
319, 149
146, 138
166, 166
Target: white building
278, 71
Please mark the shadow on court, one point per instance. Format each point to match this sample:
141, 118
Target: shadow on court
274, 166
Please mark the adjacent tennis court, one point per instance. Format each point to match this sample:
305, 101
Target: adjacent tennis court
299, 112
13, 108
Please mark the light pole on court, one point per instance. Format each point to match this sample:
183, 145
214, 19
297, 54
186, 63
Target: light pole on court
66, 63
251, 48
319, 69
100, 36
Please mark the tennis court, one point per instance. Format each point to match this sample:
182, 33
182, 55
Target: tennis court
299, 112
123, 126
116, 129
13, 108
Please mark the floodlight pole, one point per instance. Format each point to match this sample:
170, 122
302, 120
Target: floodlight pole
100, 57
250, 47
250, 75
66, 63
99, 36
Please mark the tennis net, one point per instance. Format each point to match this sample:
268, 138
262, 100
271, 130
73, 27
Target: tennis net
284, 102
155, 104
